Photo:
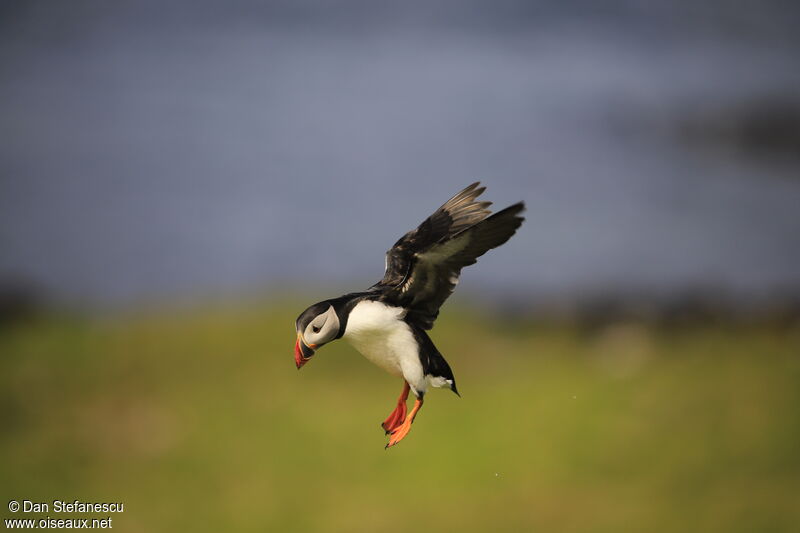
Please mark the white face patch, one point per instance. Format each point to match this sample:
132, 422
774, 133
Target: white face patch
323, 328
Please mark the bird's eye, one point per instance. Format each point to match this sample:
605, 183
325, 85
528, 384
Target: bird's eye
315, 329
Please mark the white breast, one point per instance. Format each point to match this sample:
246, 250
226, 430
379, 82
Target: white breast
380, 334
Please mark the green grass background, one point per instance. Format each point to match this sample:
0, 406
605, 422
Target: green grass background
198, 421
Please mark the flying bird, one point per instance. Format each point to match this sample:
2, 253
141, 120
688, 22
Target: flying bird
388, 322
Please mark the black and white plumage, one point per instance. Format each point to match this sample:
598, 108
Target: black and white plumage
388, 322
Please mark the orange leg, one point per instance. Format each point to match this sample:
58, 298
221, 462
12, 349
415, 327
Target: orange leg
399, 414
402, 430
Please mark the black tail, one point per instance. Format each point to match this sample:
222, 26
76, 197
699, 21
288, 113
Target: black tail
433, 363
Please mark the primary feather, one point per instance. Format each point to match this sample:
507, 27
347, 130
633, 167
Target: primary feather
423, 266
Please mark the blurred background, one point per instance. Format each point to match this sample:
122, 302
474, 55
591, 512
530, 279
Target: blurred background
179, 180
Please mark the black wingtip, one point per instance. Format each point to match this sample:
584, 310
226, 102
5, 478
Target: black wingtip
516, 208
511, 213
455, 389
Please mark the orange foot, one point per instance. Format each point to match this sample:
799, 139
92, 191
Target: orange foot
395, 419
399, 414
402, 430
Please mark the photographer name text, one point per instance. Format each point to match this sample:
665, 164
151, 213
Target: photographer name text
60, 506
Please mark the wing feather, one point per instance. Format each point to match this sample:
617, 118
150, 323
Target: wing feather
423, 266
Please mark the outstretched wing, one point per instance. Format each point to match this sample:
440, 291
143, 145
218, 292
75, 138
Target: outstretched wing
423, 266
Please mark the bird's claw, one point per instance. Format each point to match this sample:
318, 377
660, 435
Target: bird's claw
399, 433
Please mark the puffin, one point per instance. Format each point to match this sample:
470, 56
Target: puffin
388, 322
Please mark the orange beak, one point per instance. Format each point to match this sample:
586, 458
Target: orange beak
302, 351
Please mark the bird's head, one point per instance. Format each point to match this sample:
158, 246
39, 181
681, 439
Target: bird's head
316, 326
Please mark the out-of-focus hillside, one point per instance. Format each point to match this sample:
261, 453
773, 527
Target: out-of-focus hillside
199, 421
